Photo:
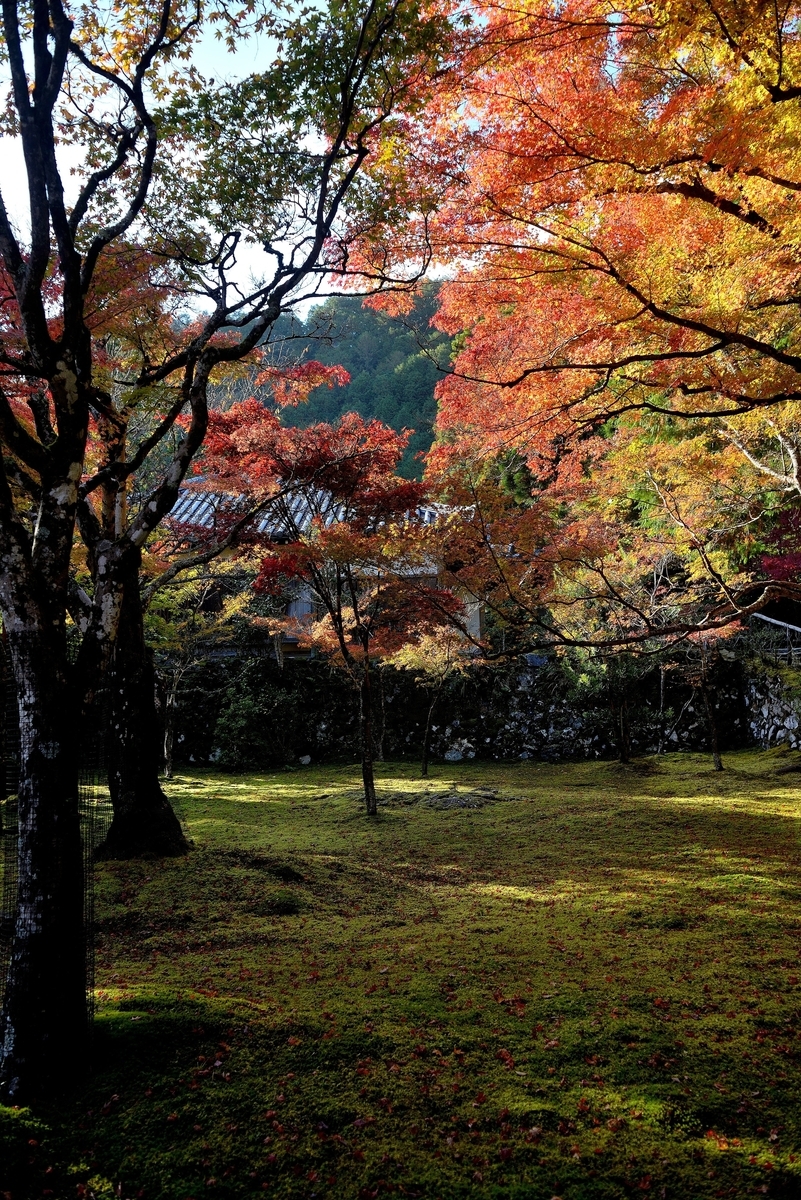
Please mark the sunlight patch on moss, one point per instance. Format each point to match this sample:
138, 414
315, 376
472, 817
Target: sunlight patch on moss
613, 959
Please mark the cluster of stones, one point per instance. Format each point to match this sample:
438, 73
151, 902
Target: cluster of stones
774, 714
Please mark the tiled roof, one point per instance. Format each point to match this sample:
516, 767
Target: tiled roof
201, 508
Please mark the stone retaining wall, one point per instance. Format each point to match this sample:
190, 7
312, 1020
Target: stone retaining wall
773, 704
251, 715
537, 722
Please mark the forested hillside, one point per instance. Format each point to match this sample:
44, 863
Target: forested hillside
392, 377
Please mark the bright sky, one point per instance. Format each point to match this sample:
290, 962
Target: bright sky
211, 57
214, 61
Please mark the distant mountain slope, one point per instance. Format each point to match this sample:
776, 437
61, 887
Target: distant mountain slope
392, 378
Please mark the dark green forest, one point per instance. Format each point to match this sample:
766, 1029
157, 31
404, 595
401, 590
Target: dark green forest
394, 364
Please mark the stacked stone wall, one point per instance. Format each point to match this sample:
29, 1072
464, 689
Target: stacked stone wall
246, 715
773, 704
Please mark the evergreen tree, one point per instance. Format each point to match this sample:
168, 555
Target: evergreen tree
394, 364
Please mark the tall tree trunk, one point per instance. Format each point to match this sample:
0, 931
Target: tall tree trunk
662, 729
44, 1020
427, 736
4, 728
380, 732
625, 732
713, 730
169, 726
620, 724
144, 824
365, 720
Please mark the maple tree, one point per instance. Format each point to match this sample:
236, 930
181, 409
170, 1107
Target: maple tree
196, 612
702, 671
673, 528
631, 236
495, 553
614, 191
666, 528
144, 823
157, 149
434, 657
345, 529
611, 568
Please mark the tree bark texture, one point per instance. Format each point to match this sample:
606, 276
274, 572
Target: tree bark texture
365, 715
169, 727
712, 724
49, 361
427, 736
144, 824
620, 714
380, 731
44, 1023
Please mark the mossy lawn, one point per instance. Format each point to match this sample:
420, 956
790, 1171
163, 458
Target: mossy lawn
586, 984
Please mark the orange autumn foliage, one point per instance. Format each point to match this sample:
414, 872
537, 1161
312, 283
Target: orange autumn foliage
614, 194
617, 201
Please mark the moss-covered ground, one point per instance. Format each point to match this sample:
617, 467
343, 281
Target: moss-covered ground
588, 987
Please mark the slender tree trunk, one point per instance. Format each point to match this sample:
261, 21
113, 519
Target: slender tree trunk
427, 736
661, 743
169, 726
625, 732
44, 1020
4, 729
621, 727
382, 728
365, 716
144, 824
713, 730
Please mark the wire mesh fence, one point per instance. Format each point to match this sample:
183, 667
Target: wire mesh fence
95, 817
9, 748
